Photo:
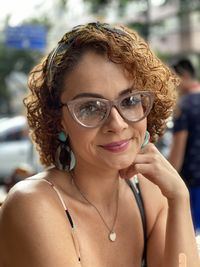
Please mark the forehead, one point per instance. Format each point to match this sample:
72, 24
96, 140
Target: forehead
95, 73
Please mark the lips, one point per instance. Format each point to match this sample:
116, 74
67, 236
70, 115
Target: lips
118, 146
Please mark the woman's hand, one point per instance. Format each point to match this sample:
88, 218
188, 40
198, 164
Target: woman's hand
152, 164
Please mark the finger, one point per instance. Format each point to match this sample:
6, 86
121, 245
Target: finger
143, 158
128, 172
145, 169
149, 148
153, 173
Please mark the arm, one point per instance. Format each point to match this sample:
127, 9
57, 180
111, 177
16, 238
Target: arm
180, 236
177, 151
173, 231
34, 230
172, 235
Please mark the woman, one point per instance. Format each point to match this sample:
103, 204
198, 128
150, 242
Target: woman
108, 198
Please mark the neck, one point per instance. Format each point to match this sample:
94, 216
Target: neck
99, 187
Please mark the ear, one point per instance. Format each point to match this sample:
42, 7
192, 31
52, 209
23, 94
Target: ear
64, 125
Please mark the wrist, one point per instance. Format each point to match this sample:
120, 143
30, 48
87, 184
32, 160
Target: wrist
181, 198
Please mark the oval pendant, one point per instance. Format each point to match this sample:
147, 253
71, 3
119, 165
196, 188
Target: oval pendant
112, 236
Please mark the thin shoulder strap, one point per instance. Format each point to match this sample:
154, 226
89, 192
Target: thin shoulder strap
135, 187
58, 193
62, 201
73, 232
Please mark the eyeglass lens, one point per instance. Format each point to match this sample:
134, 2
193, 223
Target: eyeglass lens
91, 112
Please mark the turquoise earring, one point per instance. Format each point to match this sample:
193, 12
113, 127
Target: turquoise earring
62, 137
146, 139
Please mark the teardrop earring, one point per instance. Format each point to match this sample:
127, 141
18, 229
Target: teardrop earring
146, 139
64, 156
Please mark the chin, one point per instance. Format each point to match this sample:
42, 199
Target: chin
118, 162
120, 165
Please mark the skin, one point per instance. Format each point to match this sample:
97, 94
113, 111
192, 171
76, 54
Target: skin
33, 207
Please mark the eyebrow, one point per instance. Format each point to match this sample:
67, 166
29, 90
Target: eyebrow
128, 90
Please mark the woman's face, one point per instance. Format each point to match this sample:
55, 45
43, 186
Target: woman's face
116, 142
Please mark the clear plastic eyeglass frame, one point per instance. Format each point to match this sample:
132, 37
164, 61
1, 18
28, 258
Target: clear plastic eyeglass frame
109, 105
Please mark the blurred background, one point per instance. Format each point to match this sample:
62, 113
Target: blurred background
30, 29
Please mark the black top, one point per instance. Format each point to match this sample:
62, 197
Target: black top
134, 185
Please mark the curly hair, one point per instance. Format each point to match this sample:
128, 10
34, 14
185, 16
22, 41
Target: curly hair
122, 46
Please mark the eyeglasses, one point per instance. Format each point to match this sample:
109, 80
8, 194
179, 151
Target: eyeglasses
91, 112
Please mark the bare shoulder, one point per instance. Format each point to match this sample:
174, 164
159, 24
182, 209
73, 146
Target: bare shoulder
154, 201
33, 217
28, 194
37, 189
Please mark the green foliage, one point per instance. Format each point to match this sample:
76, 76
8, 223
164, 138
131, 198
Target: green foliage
14, 60
165, 57
141, 28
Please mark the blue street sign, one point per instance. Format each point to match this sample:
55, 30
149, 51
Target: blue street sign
26, 37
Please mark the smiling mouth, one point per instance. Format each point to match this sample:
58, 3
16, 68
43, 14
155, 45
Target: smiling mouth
117, 146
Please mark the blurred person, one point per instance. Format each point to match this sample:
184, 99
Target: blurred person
108, 197
186, 71
184, 155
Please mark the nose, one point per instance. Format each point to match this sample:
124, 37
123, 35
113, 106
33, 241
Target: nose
115, 122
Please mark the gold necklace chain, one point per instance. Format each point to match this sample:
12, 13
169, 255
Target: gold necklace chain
112, 234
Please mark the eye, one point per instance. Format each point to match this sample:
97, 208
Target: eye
131, 101
90, 108
87, 107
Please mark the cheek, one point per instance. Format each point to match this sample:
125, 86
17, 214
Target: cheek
141, 128
82, 140
70, 126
